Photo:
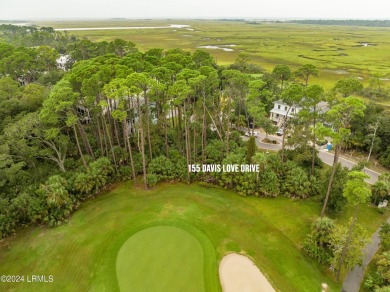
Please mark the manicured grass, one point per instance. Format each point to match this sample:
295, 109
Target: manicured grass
82, 254
161, 258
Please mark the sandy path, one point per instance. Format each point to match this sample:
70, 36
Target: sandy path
239, 273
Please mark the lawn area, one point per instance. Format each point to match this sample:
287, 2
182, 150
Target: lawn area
82, 255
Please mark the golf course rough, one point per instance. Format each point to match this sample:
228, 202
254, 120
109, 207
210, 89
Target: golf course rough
82, 254
161, 258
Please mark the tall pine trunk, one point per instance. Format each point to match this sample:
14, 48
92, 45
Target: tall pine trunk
104, 134
141, 131
84, 137
172, 115
334, 167
116, 131
108, 134
148, 124
99, 134
283, 144
313, 155
166, 137
194, 149
128, 146
79, 148
204, 129
228, 127
284, 132
188, 159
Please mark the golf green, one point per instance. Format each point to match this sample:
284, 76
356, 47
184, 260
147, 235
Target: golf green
161, 258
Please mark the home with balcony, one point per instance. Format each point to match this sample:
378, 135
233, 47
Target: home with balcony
282, 111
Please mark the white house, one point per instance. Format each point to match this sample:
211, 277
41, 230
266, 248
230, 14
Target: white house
282, 110
61, 62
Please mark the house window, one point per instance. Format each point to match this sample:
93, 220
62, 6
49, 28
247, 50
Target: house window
285, 108
278, 106
292, 109
277, 115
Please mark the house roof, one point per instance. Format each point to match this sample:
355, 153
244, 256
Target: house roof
279, 101
323, 105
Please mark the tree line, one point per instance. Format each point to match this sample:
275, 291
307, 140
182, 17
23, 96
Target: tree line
121, 114
347, 22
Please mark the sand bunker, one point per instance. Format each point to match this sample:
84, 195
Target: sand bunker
239, 273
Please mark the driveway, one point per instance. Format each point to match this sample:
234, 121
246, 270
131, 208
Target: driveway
325, 156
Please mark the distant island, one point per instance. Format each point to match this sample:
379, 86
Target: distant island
350, 22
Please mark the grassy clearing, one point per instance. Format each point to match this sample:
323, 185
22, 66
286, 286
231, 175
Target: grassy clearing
338, 51
81, 255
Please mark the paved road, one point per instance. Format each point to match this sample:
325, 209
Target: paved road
325, 156
354, 278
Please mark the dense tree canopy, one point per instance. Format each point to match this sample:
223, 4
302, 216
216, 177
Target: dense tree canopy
116, 113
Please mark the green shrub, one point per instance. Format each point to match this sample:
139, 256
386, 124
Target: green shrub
124, 172
317, 242
84, 184
58, 202
27, 208
296, 184
268, 183
7, 219
151, 179
385, 158
215, 151
251, 148
336, 201
162, 167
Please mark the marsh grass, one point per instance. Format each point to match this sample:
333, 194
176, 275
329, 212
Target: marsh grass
338, 51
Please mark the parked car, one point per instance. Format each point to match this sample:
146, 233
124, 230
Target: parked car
321, 142
255, 134
280, 132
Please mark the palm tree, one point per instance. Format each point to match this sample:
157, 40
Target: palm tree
55, 190
323, 228
83, 183
382, 187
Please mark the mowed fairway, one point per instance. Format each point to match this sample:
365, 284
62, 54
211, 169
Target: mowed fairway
161, 258
82, 255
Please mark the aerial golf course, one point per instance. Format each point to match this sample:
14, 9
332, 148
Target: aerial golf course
141, 156
183, 232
